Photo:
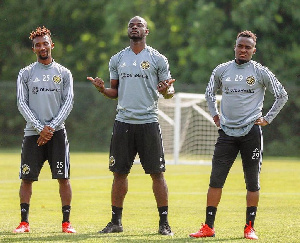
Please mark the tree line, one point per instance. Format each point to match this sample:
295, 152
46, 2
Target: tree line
195, 35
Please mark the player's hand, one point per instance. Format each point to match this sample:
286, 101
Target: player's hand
45, 135
261, 121
98, 83
216, 119
166, 88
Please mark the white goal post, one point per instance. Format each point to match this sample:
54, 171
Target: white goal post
188, 130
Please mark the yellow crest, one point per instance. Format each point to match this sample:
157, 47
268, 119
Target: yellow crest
111, 161
250, 80
25, 169
56, 79
145, 65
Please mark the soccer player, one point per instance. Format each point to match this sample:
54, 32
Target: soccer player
138, 74
45, 99
243, 83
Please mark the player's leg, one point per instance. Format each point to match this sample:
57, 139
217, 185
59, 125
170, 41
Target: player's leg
119, 189
122, 154
59, 161
226, 150
25, 196
32, 159
251, 153
150, 149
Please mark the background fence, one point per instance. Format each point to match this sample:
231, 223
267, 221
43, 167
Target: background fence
90, 123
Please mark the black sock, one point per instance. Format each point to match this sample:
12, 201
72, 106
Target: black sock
116, 213
250, 215
210, 216
24, 212
66, 213
163, 214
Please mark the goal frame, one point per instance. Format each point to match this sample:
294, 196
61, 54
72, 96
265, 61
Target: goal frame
176, 121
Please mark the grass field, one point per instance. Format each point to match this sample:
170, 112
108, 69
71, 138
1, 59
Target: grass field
278, 218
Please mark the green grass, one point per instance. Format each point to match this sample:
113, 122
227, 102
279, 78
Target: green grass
277, 219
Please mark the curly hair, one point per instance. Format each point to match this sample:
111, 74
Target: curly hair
40, 31
247, 33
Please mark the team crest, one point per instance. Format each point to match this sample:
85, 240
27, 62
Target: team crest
25, 169
145, 65
111, 161
35, 90
56, 79
250, 80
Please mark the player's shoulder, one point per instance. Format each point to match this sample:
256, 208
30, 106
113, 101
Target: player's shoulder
60, 67
156, 56
28, 68
153, 51
223, 66
259, 68
121, 53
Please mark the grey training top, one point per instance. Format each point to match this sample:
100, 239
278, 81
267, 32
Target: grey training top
138, 76
44, 96
243, 88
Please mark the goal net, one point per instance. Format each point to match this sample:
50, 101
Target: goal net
188, 130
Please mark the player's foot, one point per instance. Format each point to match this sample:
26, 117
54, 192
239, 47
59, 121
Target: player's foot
205, 231
67, 228
249, 232
22, 228
112, 228
165, 229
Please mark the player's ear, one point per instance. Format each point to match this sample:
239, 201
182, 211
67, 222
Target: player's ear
147, 31
52, 45
254, 50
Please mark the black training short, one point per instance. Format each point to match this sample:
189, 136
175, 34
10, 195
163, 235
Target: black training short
56, 151
226, 150
128, 140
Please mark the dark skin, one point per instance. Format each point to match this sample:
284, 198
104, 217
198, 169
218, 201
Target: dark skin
137, 33
42, 47
244, 49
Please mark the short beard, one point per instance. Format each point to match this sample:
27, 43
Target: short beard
135, 38
240, 61
43, 58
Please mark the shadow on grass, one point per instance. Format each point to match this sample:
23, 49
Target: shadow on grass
96, 237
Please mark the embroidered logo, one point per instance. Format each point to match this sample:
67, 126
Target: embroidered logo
35, 90
111, 161
56, 79
250, 80
36, 80
145, 65
25, 169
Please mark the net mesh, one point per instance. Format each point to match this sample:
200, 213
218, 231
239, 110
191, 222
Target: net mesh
193, 140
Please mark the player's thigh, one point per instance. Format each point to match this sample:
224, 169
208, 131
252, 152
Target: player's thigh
150, 148
32, 158
225, 153
251, 153
59, 155
122, 148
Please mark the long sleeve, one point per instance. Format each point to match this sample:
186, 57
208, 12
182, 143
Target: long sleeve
68, 100
23, 99
280, 95
210, 94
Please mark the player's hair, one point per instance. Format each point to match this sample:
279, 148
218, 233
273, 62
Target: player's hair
40, 31
247, 33
143, 20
